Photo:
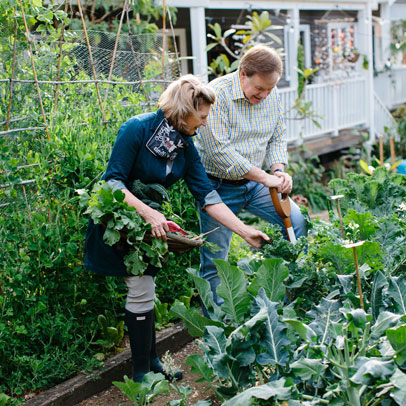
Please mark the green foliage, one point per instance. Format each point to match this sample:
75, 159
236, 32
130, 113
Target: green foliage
333, 347
48, 303
300, 68
154, 195
321, 348
400, 141
104, 15
111, 333
259, 30
183, 212
122, 222
308, 177
381, 193
303, 108
4, 399
222, 65
163, 313
143, 393
398, 42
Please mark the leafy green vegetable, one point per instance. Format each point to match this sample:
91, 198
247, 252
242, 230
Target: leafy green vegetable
124, 226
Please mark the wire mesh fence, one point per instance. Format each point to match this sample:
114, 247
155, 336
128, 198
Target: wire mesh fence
92, 77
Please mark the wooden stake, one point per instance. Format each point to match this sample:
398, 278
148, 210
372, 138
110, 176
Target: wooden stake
354, 246
341, 218
26, 201
392, 153
163, 38
361, 299
27, 33
12, 71
135, 59
58, 75
91, 59
115, 49
381, 149
174, 42
338, 197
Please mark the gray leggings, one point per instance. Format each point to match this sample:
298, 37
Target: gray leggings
141, 293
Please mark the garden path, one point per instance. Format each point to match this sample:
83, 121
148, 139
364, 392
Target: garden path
114, 397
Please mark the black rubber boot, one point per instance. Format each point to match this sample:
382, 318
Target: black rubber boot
140, 326
155, 363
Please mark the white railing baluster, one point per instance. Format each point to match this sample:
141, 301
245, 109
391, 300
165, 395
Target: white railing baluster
390, 86
382, 118
341, 104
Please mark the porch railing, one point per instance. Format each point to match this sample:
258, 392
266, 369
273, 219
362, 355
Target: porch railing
390, 86
340, 104
382, 117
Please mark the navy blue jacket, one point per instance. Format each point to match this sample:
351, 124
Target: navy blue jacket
131, 160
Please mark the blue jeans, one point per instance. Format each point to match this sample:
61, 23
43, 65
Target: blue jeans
254, 198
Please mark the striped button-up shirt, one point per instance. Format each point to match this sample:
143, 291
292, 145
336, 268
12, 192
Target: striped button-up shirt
239, 135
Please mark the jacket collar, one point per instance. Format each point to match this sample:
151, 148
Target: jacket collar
159, 116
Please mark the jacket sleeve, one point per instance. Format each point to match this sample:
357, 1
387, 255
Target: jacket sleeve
124, 154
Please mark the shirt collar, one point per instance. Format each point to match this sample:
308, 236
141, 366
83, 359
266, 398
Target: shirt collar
237, 92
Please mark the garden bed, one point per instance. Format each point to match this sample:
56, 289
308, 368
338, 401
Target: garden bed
114, 397
81, 387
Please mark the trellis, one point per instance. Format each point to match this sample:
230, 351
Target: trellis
103, 63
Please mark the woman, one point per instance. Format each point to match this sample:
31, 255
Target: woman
157, 148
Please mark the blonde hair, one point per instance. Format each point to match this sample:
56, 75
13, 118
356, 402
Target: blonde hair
183, 97
261, 59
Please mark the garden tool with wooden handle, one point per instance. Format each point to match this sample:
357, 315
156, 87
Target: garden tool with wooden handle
282, 207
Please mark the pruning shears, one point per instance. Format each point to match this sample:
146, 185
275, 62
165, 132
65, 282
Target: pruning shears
175, 228
282, 207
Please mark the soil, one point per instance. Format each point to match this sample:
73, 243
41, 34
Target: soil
322, 215
114, 397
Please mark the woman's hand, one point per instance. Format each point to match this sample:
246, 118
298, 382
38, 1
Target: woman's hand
221, 213
159, 226
254, 237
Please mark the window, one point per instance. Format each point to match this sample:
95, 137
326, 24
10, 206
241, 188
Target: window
398, 43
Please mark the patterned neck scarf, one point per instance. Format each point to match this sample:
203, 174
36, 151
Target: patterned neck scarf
166, 142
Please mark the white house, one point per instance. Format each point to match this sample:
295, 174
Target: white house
348, 40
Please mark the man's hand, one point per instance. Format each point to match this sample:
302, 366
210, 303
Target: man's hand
286, 186
273, 181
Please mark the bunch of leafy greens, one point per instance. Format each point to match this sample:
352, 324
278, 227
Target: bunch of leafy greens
154, 195
123, 225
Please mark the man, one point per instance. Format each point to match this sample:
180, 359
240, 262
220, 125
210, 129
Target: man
245, 132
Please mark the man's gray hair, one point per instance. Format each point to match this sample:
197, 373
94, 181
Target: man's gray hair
261, 59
